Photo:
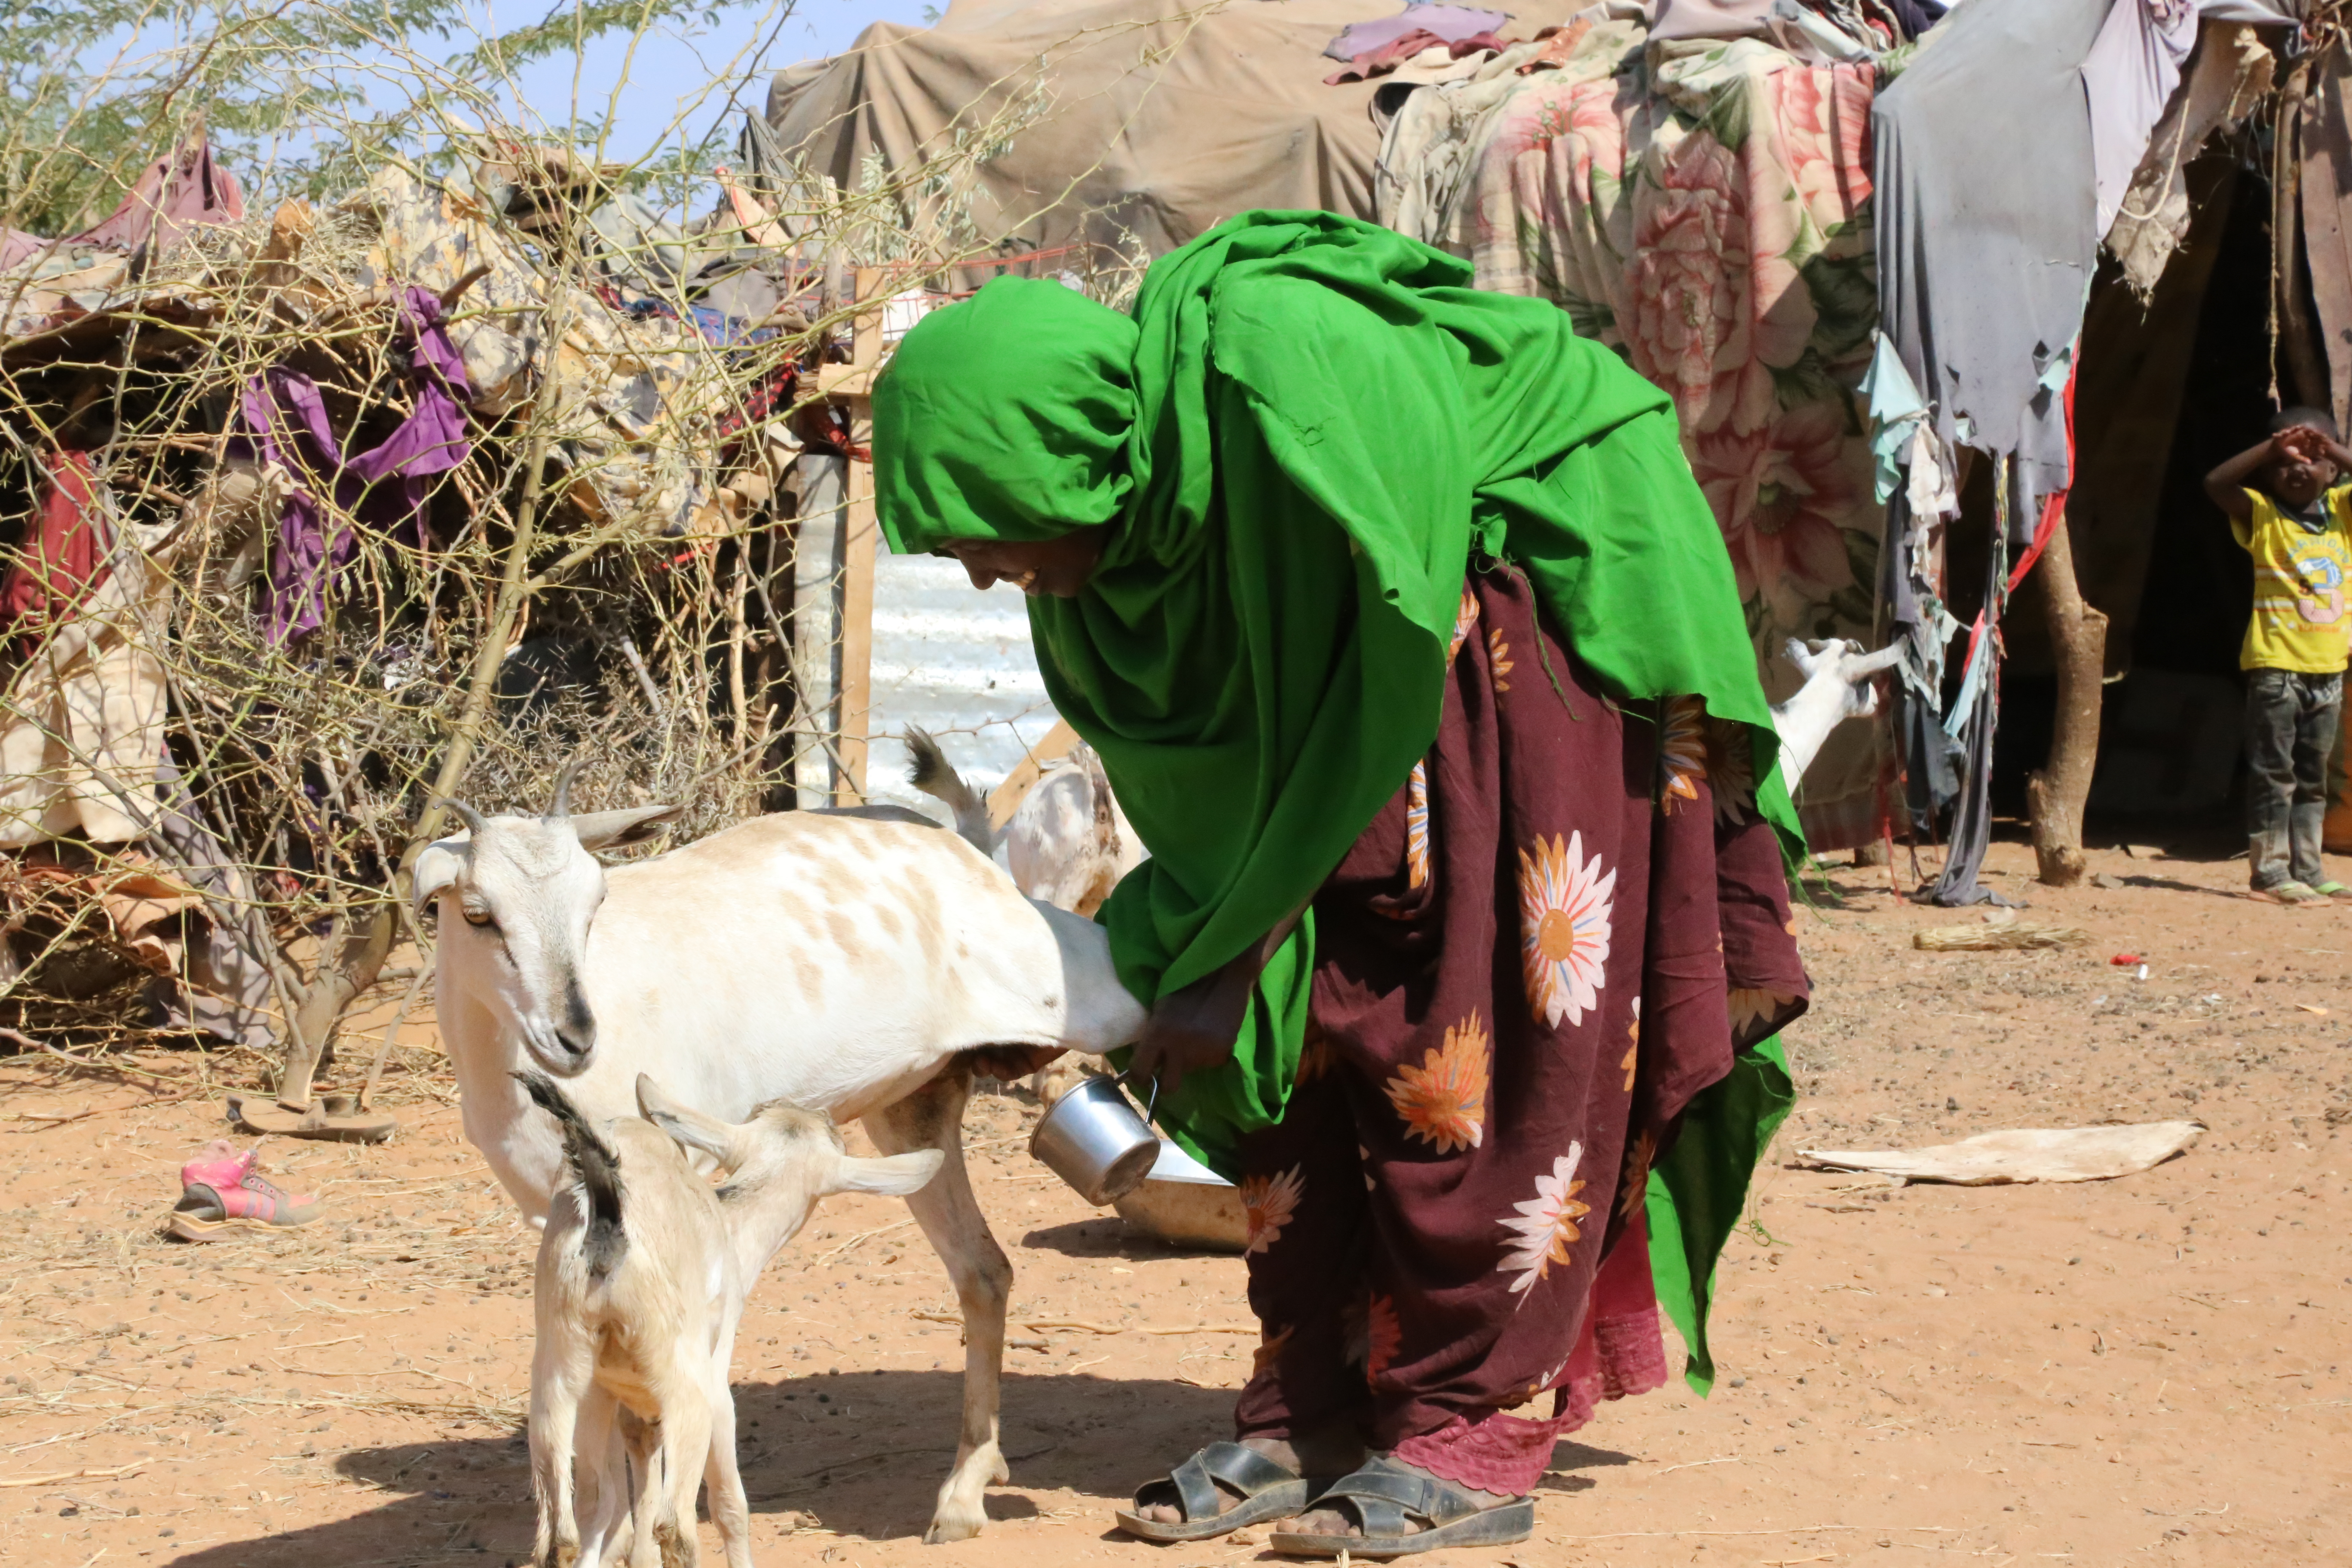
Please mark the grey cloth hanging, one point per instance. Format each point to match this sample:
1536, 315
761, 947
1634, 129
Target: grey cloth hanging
1986, 220
1972, 822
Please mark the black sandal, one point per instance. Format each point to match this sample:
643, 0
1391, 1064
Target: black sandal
1384, 1496
1268, 1491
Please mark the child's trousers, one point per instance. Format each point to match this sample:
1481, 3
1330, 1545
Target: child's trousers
2290, 725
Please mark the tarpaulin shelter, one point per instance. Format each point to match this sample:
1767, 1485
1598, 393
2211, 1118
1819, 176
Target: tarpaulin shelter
1149, 120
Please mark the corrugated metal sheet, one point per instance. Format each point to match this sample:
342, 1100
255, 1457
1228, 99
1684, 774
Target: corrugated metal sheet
955, 661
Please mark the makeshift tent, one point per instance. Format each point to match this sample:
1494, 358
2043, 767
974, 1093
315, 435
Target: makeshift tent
1699, 182
2024, 133
1146, 121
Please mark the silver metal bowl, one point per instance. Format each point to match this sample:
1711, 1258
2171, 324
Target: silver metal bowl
1186, 1203
1094, 1139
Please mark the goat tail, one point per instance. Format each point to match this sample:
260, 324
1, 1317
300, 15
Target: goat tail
929, 769
599, 1167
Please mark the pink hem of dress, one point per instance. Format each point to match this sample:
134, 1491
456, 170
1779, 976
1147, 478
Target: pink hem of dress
1619, 1352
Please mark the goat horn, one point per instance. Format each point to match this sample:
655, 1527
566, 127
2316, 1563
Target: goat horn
466, 814
561, 807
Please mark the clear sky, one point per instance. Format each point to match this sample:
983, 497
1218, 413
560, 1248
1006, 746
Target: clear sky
673, 75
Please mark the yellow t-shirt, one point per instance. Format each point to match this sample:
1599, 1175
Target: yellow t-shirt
2301, 620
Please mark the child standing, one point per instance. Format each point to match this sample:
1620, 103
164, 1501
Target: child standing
2290, 509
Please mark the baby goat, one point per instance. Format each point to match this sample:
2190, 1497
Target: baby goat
640, 1285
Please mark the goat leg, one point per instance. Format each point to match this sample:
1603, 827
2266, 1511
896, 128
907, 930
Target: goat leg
731, 1509
932, 1117
642, 1440
602, 1491
555, 1390
686, 1432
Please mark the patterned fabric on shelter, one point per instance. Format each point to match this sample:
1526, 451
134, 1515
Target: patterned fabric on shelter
1701, 206
84, 722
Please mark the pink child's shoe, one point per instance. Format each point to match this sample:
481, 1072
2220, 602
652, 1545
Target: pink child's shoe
222, 1195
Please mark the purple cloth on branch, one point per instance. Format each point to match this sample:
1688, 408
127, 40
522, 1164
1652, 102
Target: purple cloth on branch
284, 421
1451, 22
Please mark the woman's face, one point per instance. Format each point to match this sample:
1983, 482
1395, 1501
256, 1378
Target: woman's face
1060, 566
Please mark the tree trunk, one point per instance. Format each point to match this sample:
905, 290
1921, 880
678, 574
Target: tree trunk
2078, 643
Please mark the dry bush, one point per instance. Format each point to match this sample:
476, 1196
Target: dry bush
608, 574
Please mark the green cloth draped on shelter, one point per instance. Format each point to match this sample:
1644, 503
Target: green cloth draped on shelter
1301, 433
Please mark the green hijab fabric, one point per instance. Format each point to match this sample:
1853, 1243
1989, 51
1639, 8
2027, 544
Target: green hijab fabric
1019, 429
1302, 432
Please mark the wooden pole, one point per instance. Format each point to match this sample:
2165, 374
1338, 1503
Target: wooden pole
857, 614
859, 543
1005, 799
2305, 368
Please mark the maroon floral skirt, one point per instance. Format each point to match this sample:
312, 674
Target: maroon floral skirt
1527, 966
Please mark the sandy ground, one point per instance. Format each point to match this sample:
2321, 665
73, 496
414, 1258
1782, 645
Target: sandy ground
2145, 1369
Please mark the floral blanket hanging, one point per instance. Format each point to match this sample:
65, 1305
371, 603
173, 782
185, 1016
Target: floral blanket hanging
1701, 206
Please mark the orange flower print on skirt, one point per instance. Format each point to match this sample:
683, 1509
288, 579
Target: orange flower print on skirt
1633, 1046
1416, 826
1731, 771
1682, 752
1443, 1101
1314, 1056
1466, 616
1636, 1186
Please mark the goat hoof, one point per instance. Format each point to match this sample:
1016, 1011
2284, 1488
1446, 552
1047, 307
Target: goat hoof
945, 1528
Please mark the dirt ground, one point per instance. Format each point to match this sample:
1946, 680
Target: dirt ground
2144, 1370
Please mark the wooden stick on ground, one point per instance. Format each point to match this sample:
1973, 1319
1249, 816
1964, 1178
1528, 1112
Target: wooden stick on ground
56, 1476
2006, 936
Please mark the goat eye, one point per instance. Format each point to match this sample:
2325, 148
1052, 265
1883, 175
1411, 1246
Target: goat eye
477, 917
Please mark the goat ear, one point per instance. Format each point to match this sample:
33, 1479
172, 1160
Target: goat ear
691, 1127
606, 829
436, 867
893, 1177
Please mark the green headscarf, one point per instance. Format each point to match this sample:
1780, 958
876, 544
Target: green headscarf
1019, 429
1302, 432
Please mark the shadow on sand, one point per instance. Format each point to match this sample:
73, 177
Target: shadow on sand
868, 1471
862, 1452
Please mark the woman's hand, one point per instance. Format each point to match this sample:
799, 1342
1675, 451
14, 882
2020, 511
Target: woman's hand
1193, 1030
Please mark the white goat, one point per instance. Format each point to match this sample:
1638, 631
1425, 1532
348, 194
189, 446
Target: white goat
1068, 842
837, 960
1838, 687
642, 1274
